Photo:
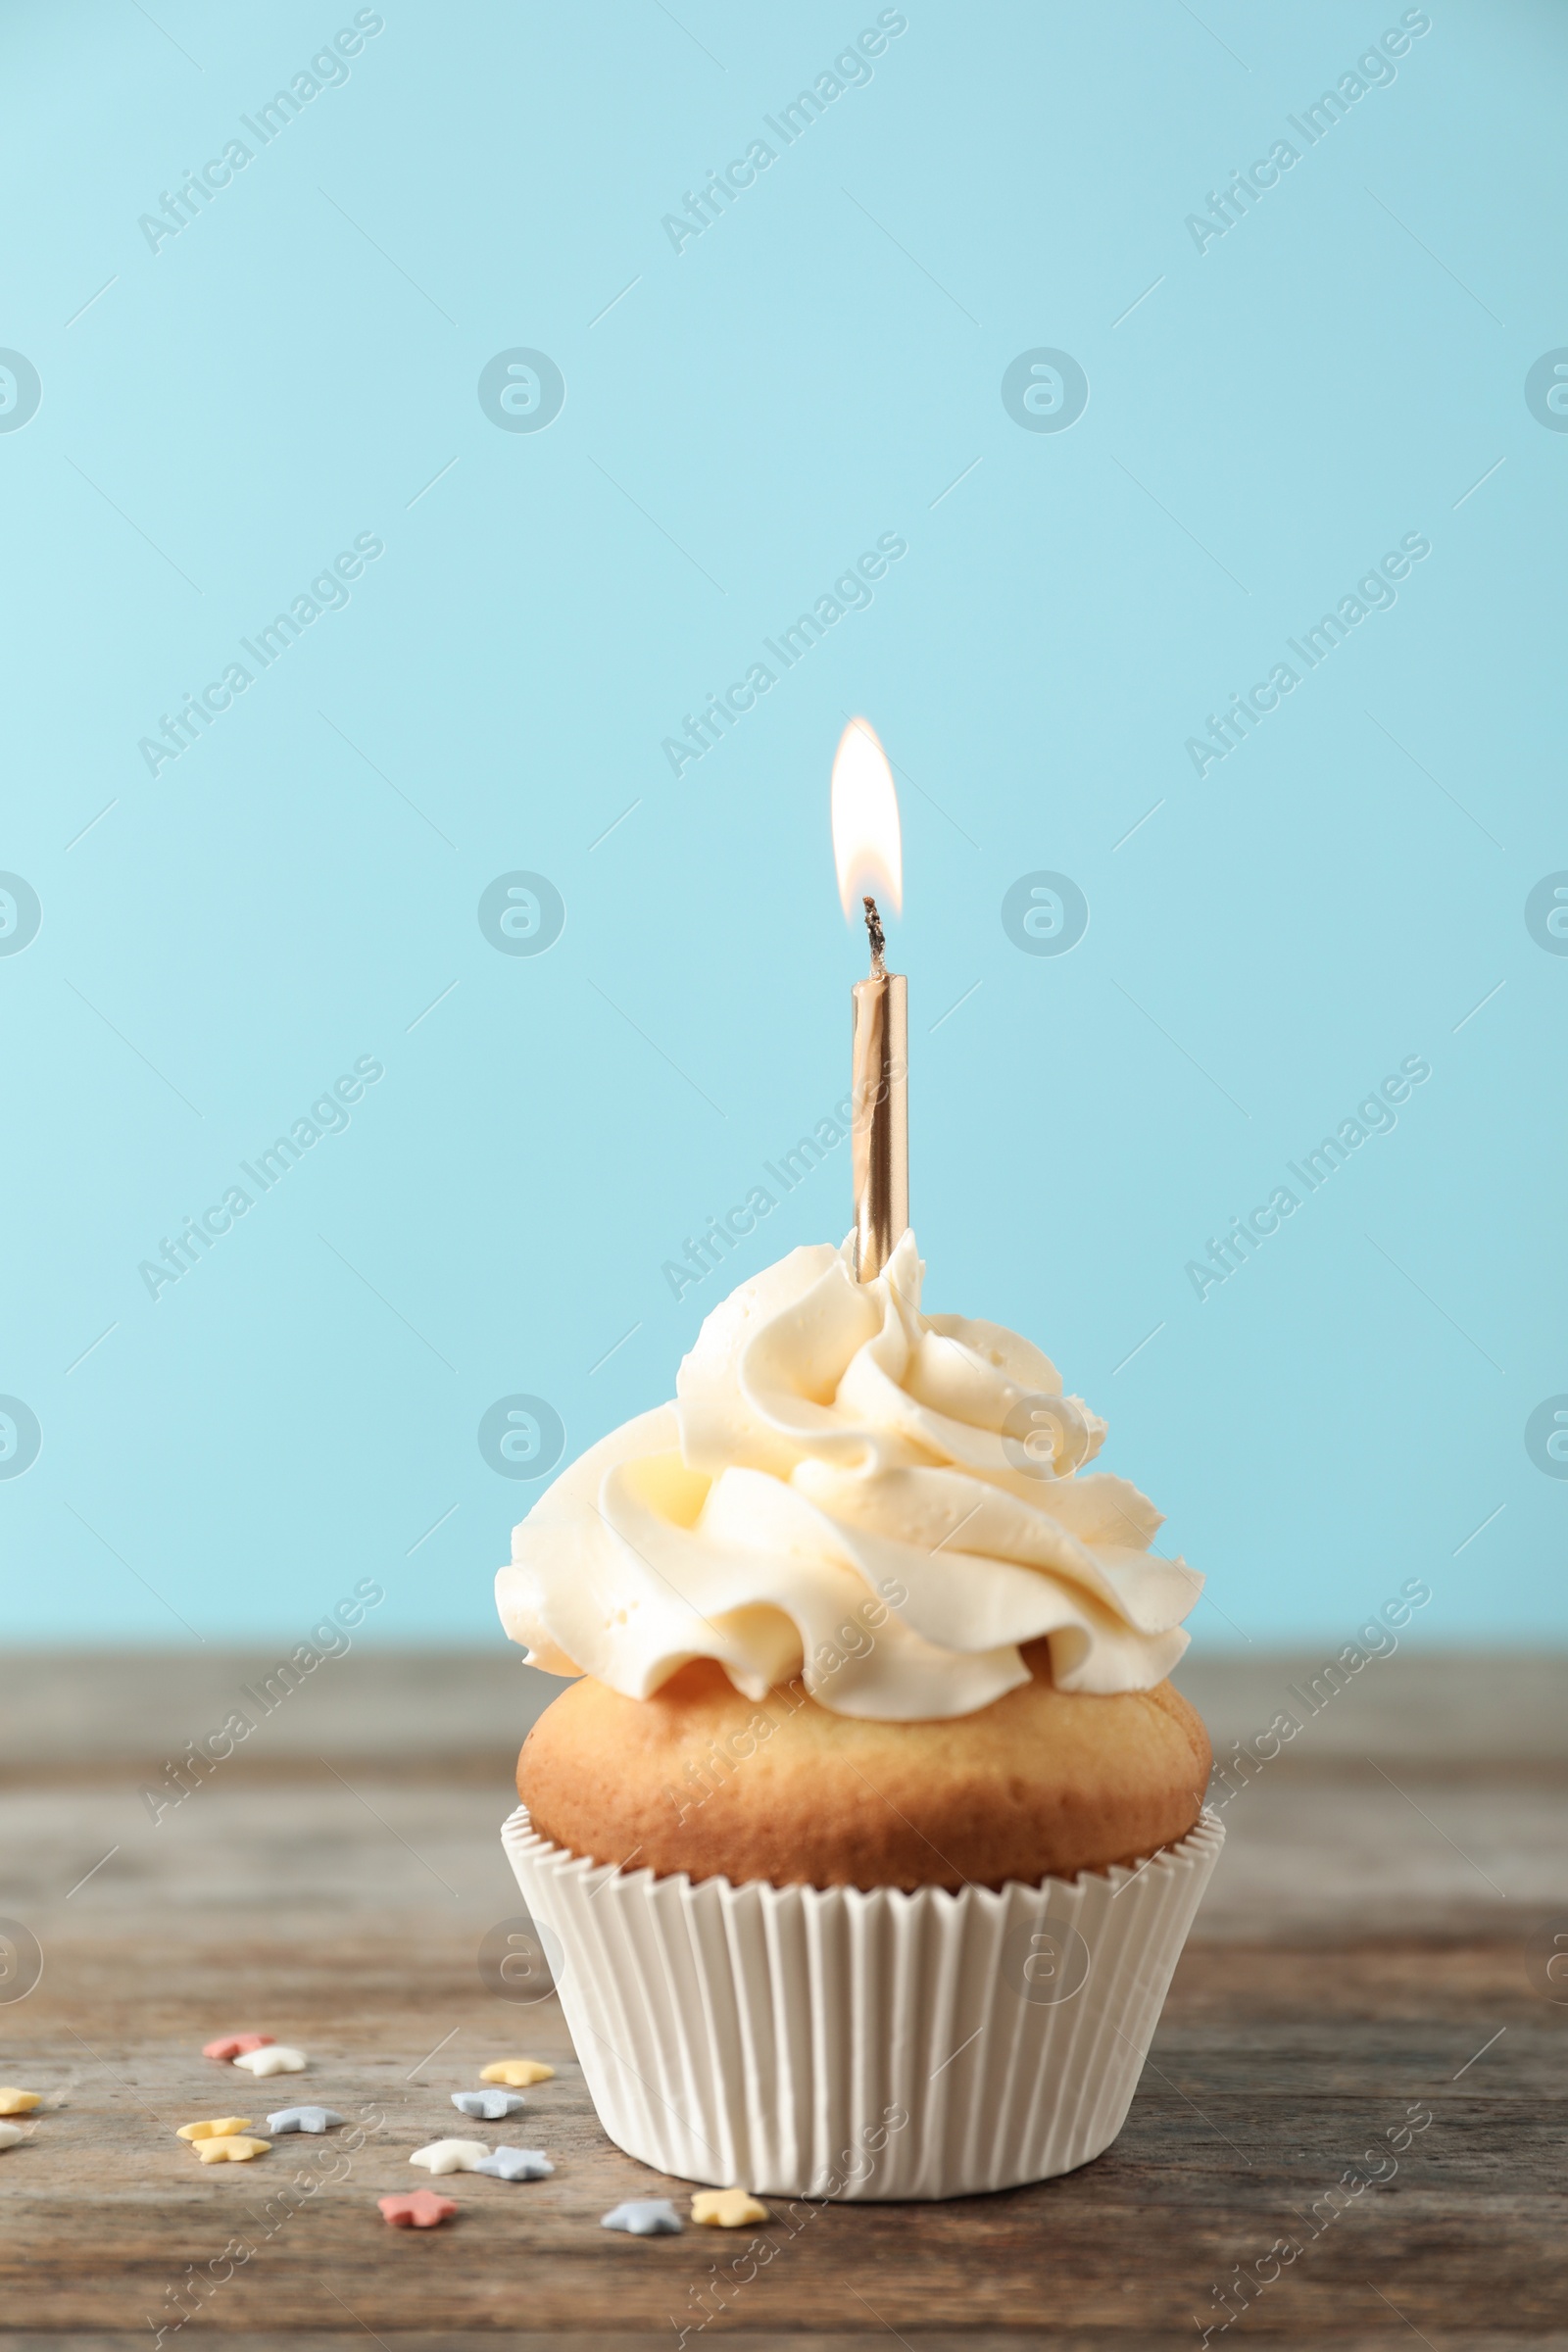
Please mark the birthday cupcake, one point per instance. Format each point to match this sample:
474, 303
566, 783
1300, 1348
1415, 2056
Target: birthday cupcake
869, 1834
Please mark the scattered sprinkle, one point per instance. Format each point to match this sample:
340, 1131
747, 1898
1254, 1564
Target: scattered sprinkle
22, 2102
451, 2155
516, 2164
10, 2134
303, 2119
727, 2208
222, 2126
232, 2045
517, 2072
488, 2105
421, 2211
272, 2058
645, 2216
237, 2150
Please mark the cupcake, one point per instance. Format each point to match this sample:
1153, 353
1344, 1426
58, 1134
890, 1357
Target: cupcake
870, 1830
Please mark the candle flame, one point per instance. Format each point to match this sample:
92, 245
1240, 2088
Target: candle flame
867, 843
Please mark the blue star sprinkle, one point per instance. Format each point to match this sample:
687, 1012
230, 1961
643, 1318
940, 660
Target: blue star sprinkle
645, 2216
303, 2119
491, 2105
516, 2164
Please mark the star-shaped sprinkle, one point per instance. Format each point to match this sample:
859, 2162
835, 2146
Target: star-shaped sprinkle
221, 2127
516, 2164
303, 2119
233, 2045
489, 2105
517, 2072
22, 2102
10, 2134
645, 2216
235, 2149
272, 2058
727, 2208
451, 2155
421, 2211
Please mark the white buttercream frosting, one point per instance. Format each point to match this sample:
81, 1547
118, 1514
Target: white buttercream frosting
883, 1502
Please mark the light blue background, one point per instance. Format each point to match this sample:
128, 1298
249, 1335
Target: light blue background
815, 371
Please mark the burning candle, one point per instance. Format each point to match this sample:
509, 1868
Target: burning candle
868, 853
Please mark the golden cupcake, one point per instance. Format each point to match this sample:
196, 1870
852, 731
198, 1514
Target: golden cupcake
871, 1739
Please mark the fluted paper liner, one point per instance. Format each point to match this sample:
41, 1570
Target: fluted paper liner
836, 2042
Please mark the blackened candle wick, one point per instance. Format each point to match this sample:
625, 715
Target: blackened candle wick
873, 924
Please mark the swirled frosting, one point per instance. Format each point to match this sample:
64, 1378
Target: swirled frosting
883, 1502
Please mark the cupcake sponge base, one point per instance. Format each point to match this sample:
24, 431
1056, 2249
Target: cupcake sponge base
1042, 1783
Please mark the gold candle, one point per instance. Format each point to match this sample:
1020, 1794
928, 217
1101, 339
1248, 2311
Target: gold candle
867, 850
880, 1108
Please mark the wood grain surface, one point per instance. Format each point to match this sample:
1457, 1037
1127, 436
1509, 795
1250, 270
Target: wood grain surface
1363, 1961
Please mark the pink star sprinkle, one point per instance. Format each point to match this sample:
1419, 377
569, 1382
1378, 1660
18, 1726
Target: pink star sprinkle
420, 2211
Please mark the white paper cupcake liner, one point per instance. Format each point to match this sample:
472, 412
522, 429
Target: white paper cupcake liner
834, 2043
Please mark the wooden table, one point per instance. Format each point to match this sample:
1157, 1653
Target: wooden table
1360, 1963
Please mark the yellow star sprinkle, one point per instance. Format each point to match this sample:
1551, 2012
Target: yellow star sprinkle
727, 2208
230, 2150
20, 2102
517, 2073
220, 2128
